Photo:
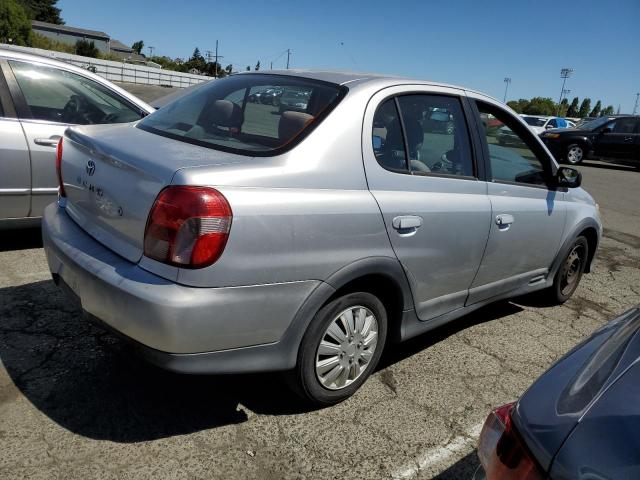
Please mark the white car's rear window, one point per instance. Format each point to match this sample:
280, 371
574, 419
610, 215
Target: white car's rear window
255, 114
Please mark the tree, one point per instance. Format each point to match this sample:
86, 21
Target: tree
196, 55
607, 111
540, 106
138, 46
257, 67
585, 106
228, 69
573, 108
43, 10
86, 49
15, 26
596, 110
248, 68
518, 105
564, 107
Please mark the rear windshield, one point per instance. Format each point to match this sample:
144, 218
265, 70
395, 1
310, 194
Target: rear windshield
252, 114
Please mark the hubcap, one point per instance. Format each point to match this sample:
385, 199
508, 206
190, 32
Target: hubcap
347, 347
571, 270
574, 155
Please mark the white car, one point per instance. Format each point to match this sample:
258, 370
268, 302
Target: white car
540, 123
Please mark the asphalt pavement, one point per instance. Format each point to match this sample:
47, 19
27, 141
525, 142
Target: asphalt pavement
75, 404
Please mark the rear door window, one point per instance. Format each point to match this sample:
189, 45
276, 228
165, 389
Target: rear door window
254, 114
388, 145
436, 135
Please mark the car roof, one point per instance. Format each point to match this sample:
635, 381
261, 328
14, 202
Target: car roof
357, 79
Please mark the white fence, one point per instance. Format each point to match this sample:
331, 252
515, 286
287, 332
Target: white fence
120, 71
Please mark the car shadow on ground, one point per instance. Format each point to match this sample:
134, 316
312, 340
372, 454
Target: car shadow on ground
607, 165
20, 239
88, 381
463, 469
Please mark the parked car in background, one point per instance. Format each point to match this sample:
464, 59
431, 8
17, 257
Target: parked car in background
539, 123
39, 99
584, 120
579, 420
615, 138
222, 237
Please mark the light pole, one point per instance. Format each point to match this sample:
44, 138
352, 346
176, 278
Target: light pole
507, 81
564, 74
151, 49
635, 107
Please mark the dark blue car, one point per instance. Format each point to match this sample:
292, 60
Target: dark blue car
579, 420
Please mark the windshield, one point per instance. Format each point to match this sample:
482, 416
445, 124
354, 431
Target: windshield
535, 121
255, 114
593, 124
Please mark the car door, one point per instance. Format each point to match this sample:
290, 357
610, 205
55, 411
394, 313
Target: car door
430, 192
617, 138
49, 100
528, 216
15, 169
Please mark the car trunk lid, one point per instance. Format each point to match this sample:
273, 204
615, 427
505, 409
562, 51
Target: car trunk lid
113, 174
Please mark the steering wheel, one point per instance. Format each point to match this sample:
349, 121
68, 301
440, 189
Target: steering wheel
73, 111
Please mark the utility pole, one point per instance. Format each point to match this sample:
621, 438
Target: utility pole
288, 55
215, 70
151, 49
635, 107
564, 74
271, 66
507, 81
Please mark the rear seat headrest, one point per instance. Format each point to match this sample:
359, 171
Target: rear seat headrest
291, 123
224, 113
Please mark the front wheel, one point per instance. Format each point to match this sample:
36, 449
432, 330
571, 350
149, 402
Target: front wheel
569, 274
341, 348
574, 154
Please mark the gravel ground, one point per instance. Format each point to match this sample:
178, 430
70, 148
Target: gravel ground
75, 404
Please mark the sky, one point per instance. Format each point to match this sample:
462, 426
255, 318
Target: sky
473, 43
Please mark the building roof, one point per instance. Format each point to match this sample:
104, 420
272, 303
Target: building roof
118, 45
66, 29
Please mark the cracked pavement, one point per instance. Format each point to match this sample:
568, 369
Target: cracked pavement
75, 404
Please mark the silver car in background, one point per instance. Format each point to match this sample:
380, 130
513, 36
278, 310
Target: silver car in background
39, 99
222, 235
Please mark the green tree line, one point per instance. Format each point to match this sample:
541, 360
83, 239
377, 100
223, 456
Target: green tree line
546, 106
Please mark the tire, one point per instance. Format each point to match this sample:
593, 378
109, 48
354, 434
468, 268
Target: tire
313, 377
569, 274
574, 154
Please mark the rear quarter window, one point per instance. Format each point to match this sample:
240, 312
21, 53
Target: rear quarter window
254, 114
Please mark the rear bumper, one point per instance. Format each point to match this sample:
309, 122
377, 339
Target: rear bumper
185, 329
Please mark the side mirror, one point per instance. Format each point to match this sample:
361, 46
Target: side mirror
548, 126
568, 177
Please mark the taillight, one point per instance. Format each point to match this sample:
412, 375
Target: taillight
188, 226
59, 169
501, 451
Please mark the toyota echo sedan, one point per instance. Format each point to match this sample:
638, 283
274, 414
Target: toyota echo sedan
222, 235
579, 420
39, 99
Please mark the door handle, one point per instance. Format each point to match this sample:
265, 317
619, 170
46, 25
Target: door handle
504, 221
52, 141
407, 222
628, 139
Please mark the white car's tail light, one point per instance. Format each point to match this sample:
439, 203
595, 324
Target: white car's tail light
188, 226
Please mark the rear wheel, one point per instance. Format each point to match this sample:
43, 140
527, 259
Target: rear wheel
341, 348
569, 274
574, 154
